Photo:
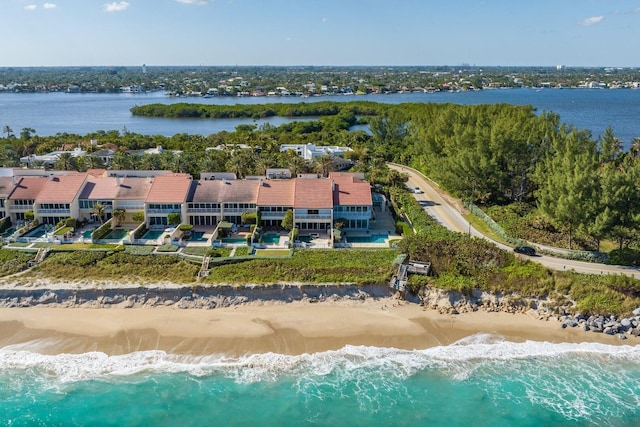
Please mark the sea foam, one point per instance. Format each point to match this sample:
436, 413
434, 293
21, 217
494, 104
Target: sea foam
466, 354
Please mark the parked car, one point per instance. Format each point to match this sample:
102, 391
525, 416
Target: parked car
417, 190
525, 250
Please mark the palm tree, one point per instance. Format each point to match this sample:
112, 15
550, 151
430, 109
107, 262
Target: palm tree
324, 164
98, 211
118, 216
149, 162
238, 164
296, 165
66, 162
120, 161
635, 147
7, 129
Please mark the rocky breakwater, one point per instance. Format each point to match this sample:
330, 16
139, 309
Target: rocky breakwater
185, 297
611, 325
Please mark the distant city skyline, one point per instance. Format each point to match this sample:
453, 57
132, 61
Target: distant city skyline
574, 33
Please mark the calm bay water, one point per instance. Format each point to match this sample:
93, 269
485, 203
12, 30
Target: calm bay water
53, 113
480, 381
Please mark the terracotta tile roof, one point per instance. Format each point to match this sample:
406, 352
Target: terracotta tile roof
350, 191
99, 189
277, 193
203, 191
239, 191
62, 188
28, 188
169, 189
313, 193
6, 186
132, 188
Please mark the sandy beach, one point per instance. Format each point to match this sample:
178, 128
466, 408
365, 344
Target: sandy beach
286, 328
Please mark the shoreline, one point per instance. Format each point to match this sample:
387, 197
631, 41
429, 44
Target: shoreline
290, 328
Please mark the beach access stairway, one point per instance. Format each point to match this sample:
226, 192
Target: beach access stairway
204, 268
40, 256
399, 280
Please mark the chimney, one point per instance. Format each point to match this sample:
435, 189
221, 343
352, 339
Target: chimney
117, 181
333, 185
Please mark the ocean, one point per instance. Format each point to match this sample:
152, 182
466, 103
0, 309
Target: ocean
478, 381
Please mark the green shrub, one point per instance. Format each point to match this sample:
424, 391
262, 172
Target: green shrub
185, 227
174, 218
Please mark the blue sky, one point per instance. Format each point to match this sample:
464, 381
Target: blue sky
320, 32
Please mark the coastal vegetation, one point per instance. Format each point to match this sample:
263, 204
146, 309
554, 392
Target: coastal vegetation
317, 266
541, 180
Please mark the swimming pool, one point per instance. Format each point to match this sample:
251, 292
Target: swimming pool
197, 236
306, 239
36, 232
374, 238
87, 234
153, 234
234, 240
116, 234
271, 239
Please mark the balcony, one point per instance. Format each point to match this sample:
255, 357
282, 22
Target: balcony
204, 210
312, 216
131, 206
54, 211
162, 211
238, 210
21, 208
353, 215
272, 215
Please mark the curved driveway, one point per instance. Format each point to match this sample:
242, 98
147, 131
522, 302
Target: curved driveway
449, 216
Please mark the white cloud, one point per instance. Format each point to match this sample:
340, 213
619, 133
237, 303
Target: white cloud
31, 7
49, 5
193, 1
116, 7
324, 19
592, 21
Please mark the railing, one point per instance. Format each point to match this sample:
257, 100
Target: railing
311, 216
238, 210
352, 215
163, 211
54, 211
272, 215
131, 206
203, 210
21, 208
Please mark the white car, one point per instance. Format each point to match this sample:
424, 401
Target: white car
417, 190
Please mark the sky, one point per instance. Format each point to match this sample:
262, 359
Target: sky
597, 33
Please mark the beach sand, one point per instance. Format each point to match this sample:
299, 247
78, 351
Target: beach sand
286, 328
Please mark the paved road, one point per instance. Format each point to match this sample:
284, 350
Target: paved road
449, 216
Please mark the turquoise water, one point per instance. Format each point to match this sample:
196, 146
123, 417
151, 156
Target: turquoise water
306, 239
480, 381
87, 234
271, 239
235, 240
197, 236
116, 234
374, 238
153, 234
36, 232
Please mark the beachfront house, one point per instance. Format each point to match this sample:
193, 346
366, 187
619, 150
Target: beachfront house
352, 202
168, 195
275, 198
